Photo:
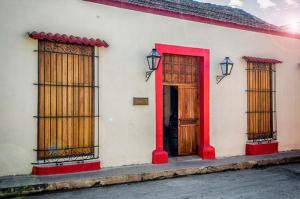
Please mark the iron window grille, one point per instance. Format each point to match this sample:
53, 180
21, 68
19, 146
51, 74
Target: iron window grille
261, 102
68, 103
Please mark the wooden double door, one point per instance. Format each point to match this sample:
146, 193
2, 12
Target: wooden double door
182, 72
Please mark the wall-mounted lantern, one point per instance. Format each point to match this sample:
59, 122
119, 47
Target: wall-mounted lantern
226, 67
153, 60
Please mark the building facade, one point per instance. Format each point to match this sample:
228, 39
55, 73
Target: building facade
73, 101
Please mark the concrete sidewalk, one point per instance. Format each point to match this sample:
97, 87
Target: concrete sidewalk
29, 184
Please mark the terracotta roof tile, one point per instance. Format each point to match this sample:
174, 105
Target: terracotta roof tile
261, 60
206, 10
68, 39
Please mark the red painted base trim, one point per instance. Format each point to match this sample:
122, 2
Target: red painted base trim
159, 157
207, 152
261, 149
63, 169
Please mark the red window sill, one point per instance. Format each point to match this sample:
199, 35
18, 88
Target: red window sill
64, 169
261, 149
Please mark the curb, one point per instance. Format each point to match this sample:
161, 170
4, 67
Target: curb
140, 177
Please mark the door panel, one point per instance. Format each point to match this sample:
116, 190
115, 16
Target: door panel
188, 119
179, 69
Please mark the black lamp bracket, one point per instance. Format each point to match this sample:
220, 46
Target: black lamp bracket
219, 78
148, 74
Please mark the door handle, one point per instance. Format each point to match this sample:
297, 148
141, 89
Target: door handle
188, 121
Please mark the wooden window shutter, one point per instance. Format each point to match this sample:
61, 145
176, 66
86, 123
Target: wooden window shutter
261, 111
66, 101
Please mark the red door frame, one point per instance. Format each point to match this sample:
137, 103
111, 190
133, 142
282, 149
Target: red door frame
205, 151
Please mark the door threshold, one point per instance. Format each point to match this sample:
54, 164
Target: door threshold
184, 158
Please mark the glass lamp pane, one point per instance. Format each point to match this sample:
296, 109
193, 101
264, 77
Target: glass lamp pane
230, 66
149, 60
224, 68
156, 62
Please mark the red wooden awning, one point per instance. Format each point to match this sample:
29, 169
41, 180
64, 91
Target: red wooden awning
261, 60
68, 39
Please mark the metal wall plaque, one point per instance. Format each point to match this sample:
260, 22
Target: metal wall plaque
140, 101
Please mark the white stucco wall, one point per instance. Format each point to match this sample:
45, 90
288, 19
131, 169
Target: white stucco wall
127, 132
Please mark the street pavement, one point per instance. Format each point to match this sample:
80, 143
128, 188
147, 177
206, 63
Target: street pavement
267, 183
